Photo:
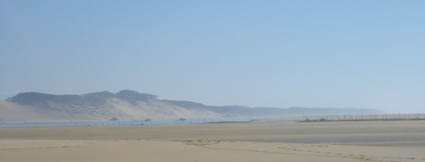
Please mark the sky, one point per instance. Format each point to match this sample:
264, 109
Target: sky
327, 53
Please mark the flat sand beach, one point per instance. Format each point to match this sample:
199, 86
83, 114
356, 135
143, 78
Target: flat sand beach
380, 141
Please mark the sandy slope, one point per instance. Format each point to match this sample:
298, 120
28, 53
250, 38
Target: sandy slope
19, 113
327, 142
113, 108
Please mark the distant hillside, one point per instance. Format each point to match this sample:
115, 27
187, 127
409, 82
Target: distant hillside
131, 105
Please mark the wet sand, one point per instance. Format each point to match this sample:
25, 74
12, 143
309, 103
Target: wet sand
383, 141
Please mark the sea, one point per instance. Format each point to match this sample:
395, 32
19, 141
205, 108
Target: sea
117, 123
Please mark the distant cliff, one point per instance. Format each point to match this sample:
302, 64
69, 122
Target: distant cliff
131, 105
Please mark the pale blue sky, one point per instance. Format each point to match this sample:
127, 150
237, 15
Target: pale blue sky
341, 53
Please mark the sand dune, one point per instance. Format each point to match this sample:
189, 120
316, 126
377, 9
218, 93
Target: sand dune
127, 105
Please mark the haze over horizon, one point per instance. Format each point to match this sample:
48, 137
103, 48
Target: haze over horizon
363, 54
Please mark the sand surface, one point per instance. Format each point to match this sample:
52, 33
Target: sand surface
389, 141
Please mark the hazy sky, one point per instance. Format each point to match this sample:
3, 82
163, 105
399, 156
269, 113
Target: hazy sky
340, 53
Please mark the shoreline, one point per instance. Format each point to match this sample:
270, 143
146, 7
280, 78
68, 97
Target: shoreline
117, 123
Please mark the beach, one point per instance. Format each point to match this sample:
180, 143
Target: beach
350, 141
